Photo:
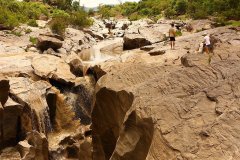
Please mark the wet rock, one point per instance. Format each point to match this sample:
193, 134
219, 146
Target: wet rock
48, 66
132, 41
61, 112
34, 147
10, 122
49, 41
10, 153
74, 146
76, 65
113, 49
86, 54
32, 96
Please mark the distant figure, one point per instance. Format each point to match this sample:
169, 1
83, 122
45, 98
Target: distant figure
207, 43
172, 35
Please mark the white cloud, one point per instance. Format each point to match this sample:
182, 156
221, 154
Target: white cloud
95, 3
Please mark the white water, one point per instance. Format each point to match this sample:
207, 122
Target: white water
97, 57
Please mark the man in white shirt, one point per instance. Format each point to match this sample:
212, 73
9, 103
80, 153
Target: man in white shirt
207, 43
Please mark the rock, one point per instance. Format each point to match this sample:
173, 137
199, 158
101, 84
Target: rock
14, 64
4, 27
190, 60
85, 54
94, 34
34, 147
113, 49
41, 23
49, 41
10, 122
51, 52
123, 24
4, 85
61, 112
48, 66
156, 52
32, 96
10, 153
76, 40
32, 49
76, 65
152, 34
75, 146
151, 127
132, 41
147, 48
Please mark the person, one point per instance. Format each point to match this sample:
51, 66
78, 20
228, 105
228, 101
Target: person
207, 43
172, 35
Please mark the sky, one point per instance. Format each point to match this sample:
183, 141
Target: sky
95, 3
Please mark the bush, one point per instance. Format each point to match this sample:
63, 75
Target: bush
32, 22
134, 16
8, 19
80, 19
27, 31
33, 40
58, 25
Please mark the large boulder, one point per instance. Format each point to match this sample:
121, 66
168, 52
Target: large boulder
52, 67
132, 41
16, 64
32, 96
152, 34
49, 41
147, 126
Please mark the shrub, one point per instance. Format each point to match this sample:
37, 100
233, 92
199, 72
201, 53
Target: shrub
8, 19
58, 25
178, 33
32, 22
134, 16
16, 33
27, 31
33, 40
80, 19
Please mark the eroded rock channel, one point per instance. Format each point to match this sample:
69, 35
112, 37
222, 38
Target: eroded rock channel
94, 96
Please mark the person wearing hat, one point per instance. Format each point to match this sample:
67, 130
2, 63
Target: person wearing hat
207, 43
172, 35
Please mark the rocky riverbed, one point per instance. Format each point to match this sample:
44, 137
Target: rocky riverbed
119, 95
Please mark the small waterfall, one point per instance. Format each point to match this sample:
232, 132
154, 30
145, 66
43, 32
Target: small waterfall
38, 103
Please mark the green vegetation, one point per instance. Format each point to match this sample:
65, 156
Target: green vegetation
32, 22
33, 40
197, 9
63, 13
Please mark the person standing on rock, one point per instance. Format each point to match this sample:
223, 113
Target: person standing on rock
172, 35
207, 43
